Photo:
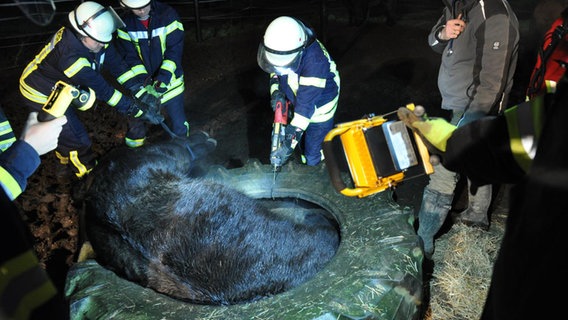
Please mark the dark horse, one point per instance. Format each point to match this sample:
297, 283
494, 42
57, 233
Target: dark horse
194, 239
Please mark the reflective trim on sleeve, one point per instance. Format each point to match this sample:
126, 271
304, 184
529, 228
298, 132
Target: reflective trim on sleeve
524, 124
132, 73
115, 98
312, 81
176, 87
169, 66
9, 184
24, 286
77, 66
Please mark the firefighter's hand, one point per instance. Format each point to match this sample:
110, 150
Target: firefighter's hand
145, 112
279, 156
42, 136
436, 131
277, 97
160, 87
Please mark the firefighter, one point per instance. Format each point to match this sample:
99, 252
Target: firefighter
303, 73
26, 291
152, 42
525, 147
77, 55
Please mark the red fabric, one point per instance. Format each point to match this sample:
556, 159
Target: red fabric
559, 57
145, 22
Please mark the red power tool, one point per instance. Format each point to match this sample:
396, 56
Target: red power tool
280, 122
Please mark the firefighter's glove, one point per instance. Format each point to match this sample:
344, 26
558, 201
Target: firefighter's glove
145, 112
148, 96
152, 91
292, 136
277, 100
436, 131
160, 87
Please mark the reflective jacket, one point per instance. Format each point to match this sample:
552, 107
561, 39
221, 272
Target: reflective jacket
477, 68
26, 291
155, 52
499, 149
313, 88
7, 136
65, 58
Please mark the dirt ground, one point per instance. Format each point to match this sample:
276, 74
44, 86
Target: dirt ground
382, 67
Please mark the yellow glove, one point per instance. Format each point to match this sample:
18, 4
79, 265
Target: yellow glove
436, 131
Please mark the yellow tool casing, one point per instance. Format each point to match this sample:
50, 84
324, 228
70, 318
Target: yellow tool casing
62, 96
375, 153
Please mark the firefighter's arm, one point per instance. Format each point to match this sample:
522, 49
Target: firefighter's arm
21, 159
481, 149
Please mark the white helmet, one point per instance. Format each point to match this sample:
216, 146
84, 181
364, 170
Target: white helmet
284, 41
95, 21
135, 4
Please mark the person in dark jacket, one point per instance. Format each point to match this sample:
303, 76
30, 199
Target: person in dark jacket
303, 73
525, 146
152, 42
76, 55
26, 291
478, 41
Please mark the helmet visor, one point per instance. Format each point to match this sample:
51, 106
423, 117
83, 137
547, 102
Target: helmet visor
279, 62
101, 25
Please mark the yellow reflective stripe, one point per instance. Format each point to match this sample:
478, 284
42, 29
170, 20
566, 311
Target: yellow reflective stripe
32, 94
62, 159
76, 67
9, 184
169, 66
132, 73
27, 91
312, 82
176, 87
6, 143
134, 143
82, 170
273, 88
172, 93
175, 25
325, 112
29, 284
34, 299
300, 121
115, 98
550, 86
524, 121
42, 54
121, 34
5, 127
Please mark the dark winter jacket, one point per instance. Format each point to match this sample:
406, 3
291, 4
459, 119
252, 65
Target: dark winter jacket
477, 68
65, 58
313, 88
157, 51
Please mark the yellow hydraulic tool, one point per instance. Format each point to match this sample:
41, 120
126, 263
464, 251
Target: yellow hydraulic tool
375, 153
64, 95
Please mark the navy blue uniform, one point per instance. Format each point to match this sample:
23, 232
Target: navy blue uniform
154, 48
66, 59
